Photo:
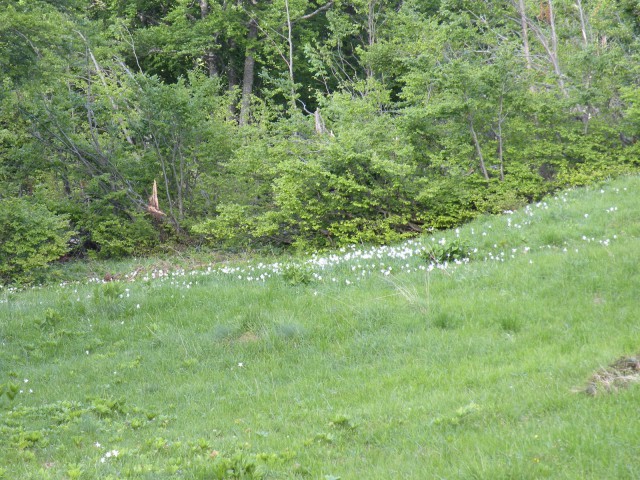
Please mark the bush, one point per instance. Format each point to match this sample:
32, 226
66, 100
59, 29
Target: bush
115, 237
31, 236
231, 227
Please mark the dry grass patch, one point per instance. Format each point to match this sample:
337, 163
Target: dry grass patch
248, 337
619, 374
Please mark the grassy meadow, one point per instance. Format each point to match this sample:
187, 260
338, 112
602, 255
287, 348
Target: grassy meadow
365, 363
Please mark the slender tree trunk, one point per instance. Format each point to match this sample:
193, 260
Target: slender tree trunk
476, 143
247, 78
181, 188
551, 47
554, 48
114, 105
290, 62
525, 34
210, 57
501, 119
232, 79
552, 24
371, 30
583, 23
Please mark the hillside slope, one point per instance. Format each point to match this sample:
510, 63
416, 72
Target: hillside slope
366, 363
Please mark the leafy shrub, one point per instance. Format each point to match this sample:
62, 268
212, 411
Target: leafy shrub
231, 227
448, 252
31, 237
115, 237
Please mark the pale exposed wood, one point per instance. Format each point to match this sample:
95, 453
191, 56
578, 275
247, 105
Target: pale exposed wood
153, 207
320, 127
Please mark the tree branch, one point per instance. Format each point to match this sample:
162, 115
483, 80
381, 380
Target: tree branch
323, 8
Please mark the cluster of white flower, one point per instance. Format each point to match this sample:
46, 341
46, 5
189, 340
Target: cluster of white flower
351, 261
354, 263
108, 454
26, 380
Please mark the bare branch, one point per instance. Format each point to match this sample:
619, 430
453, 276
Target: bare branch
35, 49
323, 8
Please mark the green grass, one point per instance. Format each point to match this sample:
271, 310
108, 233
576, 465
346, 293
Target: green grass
465, 371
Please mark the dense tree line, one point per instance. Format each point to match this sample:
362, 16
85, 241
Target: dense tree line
309, 123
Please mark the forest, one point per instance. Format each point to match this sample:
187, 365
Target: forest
129, 127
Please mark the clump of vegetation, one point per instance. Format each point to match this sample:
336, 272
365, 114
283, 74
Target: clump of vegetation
619, 374
31, 237
445, 252
297, 275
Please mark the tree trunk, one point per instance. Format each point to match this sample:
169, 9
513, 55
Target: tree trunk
551, 47
210, 57
290, 62
204, 8
247, 78
525, 34
554, 48
371, 30
583, 23
501, 119
476, 143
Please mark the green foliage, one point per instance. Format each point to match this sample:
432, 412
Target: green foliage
297, 275
9, 389
237, 466
114, 237
349, 122
445, 252
50, 320
31, 237
231, 227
